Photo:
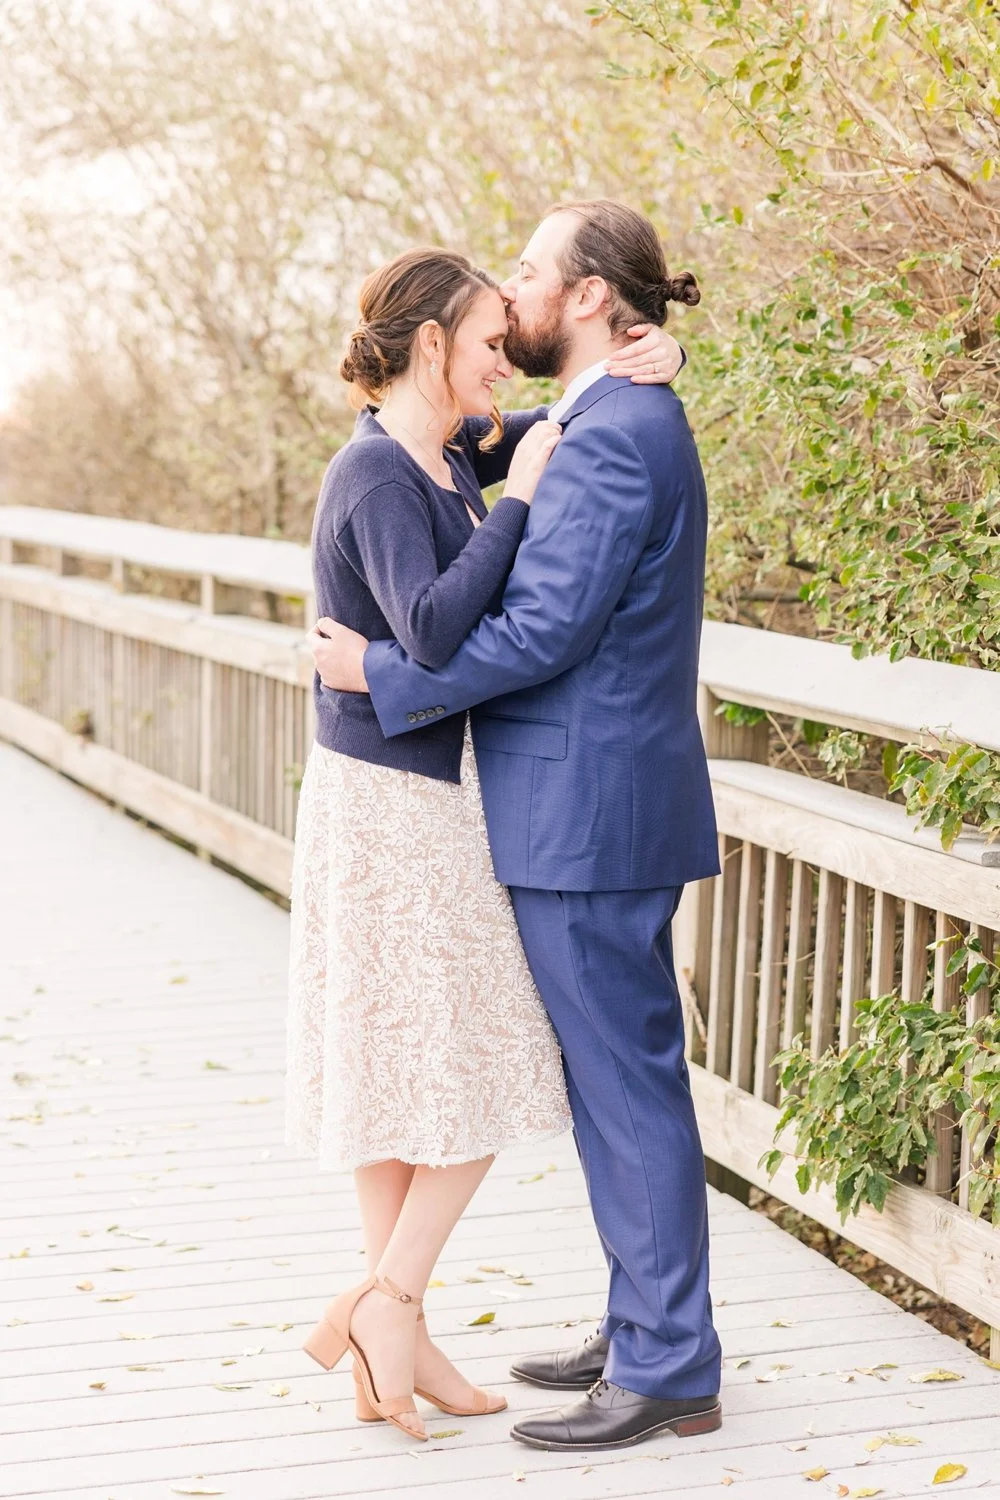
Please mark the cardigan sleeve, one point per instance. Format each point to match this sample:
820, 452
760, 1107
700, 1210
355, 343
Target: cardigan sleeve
388, 539
494, 465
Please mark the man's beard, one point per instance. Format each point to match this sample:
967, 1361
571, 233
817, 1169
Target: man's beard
541, 351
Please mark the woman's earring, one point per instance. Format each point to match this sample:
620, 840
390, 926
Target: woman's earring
434, 366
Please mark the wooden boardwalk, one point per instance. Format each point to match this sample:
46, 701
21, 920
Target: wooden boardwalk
162, 1251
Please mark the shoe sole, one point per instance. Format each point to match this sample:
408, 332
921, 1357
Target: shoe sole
552, 1385
693, 1425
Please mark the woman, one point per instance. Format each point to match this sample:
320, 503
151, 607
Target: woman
418, 1047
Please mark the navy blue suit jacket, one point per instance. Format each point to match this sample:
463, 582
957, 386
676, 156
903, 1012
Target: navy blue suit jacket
590, 755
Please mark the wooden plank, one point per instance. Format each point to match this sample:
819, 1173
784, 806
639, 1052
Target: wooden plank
916, 930
725, 917
772, 960
254, 645
928, 1238
799, 952
826, 964
855, 954
790, 674
859, 837
883, 944
940, 1172
747, 965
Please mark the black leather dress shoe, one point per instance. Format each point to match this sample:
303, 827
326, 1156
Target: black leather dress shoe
610, 1417
567, 1370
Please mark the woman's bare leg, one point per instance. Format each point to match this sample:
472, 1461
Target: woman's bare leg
384, 1327
382, 1189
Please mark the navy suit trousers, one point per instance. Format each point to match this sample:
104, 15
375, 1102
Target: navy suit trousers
603, 963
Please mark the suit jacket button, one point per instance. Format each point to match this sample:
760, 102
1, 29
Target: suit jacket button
439, 709
411, 718
421, 714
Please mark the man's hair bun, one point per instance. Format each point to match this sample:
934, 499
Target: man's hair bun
683, 288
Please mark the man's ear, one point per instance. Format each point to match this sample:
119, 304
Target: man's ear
590, 297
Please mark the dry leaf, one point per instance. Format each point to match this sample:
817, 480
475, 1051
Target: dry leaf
278, 1390
991, 1364
536, 1178
815, 1474
259, 1099
249, 1353
782, 1323
521, 1281
118, 1297
492, 1270
902, 1440
727, 1479
282, 1327
184, 1249
473, 1280
238, 1323
134, 1336
517, 1477
85, 1286
193, 1489
842, 1491
448, 1432
430, 1283
183, 979
220, 1387
796, 1447
739, 1364
225, 1362
930, 1377
214, 1067
948, 1472
486, 1317
864, 1494
98, 1385
144, 1369
314, 1404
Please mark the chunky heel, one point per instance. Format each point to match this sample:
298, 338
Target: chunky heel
363, 1409
703, 1421
325, 1345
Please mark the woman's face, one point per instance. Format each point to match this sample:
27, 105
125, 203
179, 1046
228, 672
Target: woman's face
477, 358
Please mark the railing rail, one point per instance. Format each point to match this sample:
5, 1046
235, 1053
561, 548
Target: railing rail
201, 722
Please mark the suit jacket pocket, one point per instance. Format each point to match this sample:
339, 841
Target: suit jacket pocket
521, 736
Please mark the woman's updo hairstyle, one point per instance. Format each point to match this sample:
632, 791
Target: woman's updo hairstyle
419, 286
621, 246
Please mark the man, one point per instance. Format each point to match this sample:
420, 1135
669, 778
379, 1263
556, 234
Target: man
598, 803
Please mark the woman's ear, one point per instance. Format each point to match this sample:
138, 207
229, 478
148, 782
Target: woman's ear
430, 342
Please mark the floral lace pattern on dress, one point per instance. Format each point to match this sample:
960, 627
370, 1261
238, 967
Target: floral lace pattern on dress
415, 1030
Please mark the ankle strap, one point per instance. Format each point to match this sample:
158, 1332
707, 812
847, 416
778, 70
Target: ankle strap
390, 1289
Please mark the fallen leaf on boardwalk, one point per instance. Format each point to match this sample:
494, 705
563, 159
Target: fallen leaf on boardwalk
225, 1362
121, 1268
185, 1249
768, 1378
933, 1377
842, 1491
281, 1327
991, 1364
281, 1262
18, 1254
278, 1390
85, 1286
247, 1353
192, 1489
893, 1440
118, 1297
143, 1369
486, 1317
439, 1283
472, 1280
517, 1477
448, 1432
492, 1270
815, 1474
875, 1370
98, 1385
183, 979
727, 1479
739, 1364
536, 1178
219, 1386
782, 1323
796, 1447
948, 1472
17, 1323
864, 1494
521, 1281
123, 1335
314, 1404
238, 1323
214, 1067
260, 1099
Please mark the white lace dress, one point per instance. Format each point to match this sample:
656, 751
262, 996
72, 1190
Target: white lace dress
415, 1031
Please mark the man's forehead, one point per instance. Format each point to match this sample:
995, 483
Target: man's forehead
547, 238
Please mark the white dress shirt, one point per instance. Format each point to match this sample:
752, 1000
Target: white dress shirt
576, 388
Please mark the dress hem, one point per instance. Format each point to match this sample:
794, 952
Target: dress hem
333, 1164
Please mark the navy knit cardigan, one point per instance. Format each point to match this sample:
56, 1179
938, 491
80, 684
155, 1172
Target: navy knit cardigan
396, 556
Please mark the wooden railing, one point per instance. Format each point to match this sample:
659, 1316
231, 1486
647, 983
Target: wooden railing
201, 721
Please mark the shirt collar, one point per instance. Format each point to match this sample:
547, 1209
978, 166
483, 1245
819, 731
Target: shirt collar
575, 389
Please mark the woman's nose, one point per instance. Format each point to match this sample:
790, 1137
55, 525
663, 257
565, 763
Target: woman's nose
504, 367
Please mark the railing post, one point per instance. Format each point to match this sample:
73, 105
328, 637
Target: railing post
710, 928
6, 628
206, 706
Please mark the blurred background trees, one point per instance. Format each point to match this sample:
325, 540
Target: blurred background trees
197, 191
